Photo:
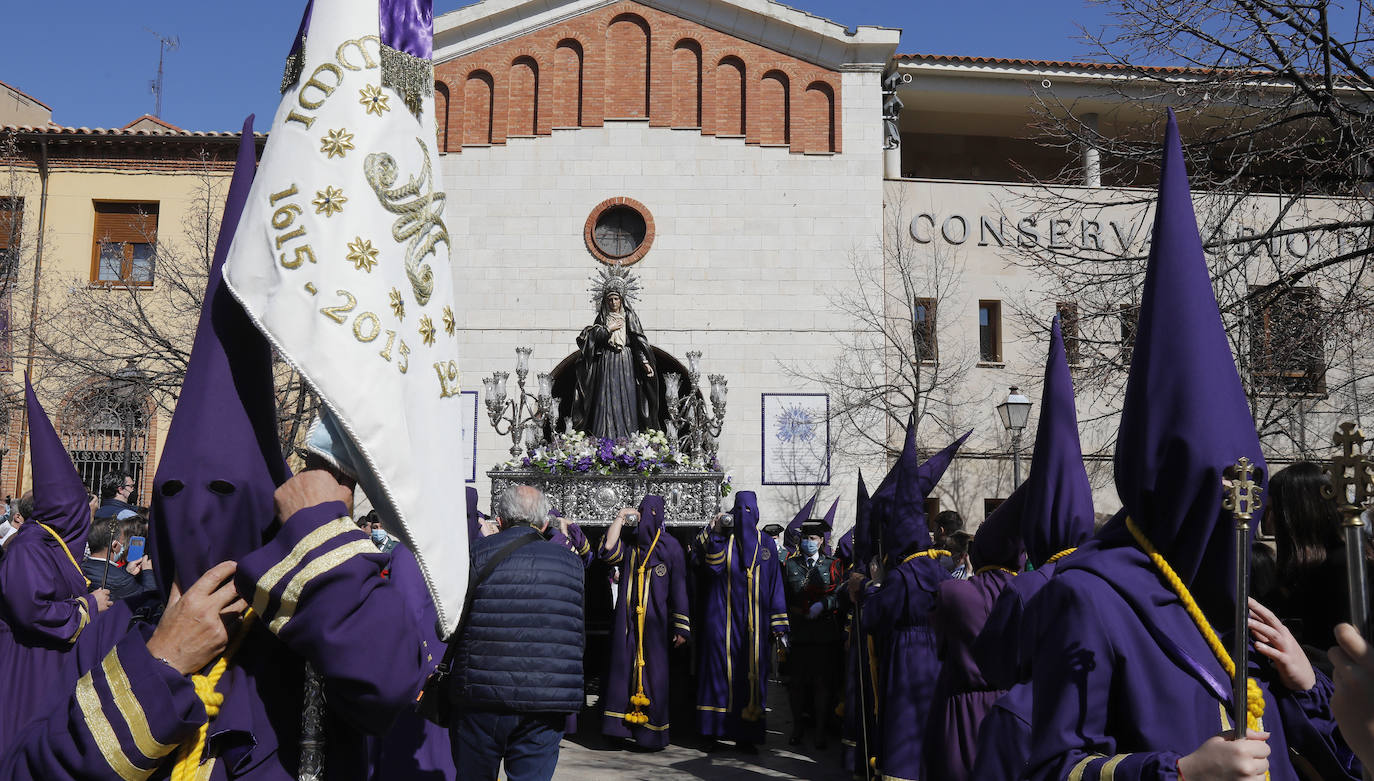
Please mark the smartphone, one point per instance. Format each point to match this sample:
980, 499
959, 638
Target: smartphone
136, 545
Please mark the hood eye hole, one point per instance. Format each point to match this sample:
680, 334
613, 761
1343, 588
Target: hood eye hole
171, 488
222, 487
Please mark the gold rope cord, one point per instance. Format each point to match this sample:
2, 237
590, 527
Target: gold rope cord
1254, 698
639, 699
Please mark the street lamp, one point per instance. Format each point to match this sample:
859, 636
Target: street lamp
1015, 413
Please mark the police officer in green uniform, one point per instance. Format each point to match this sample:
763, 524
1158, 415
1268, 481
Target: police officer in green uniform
810, 578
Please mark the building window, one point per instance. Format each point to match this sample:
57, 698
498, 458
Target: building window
1287, 352
932, 507
619, 231
989, 505
990, 331
125, 244
1068, 328
101, 427
923, 330
1126, 316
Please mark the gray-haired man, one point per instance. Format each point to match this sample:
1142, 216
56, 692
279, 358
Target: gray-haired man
518, 663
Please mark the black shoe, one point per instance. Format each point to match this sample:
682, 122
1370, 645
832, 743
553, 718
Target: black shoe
714, 746
746, 748
795, 739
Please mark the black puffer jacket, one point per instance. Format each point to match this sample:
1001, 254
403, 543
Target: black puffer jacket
520, 650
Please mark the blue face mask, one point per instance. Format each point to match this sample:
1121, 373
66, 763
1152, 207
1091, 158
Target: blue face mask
809, 547
378, 537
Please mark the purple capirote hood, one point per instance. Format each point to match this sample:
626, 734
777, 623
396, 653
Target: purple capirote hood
652, 515
1185, 417
1057, 513
222, 461
997, 542
746, 515
861, 536
59, 497
905, 528
793, 531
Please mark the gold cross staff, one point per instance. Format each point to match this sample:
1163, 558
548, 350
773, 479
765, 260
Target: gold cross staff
1352, 483
1242, 493
1351, 473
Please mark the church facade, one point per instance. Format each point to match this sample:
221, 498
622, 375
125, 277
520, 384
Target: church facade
782, 220
728, 153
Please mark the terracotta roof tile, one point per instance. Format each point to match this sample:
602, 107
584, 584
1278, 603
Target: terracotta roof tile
1006, 62
55, 130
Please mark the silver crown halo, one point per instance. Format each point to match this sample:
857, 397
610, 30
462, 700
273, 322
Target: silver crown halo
614, 279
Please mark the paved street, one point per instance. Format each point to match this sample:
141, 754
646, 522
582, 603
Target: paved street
587, 756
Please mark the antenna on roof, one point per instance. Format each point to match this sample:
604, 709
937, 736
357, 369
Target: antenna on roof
165, 45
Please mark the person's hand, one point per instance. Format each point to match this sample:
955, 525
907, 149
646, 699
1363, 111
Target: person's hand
856, 585
875, 570
615, 326
678, 640
648, 370
622, 514
488, 528
1274, 642
135, 567
1353, 701
815, 610
102, 599
308, 489
1223, 759
192, 630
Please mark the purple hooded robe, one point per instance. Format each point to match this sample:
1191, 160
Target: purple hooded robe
1056, 515
314, 581
653, 575
46, 614
1124, 684
853, 727
962, 696
744, 607
897, 612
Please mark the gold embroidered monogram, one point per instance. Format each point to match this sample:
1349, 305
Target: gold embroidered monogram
421, 210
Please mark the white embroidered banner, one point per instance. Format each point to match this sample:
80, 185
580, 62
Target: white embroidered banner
342, 258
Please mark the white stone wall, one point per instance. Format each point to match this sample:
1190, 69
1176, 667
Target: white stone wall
991, 272
749, 244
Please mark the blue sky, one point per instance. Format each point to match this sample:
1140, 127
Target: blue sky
92, 61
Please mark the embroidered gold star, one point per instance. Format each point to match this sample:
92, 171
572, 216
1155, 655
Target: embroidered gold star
362, 254
329, 201
373, 100
427, 329
336, 143
449, 324
397, 305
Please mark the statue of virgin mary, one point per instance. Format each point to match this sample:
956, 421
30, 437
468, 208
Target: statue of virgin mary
617, 381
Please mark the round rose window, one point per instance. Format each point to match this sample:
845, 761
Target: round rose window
619, 230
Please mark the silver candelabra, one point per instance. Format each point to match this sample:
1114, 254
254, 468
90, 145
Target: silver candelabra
524, 416
704, 426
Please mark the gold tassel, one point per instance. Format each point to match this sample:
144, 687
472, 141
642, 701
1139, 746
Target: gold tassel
409, 76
